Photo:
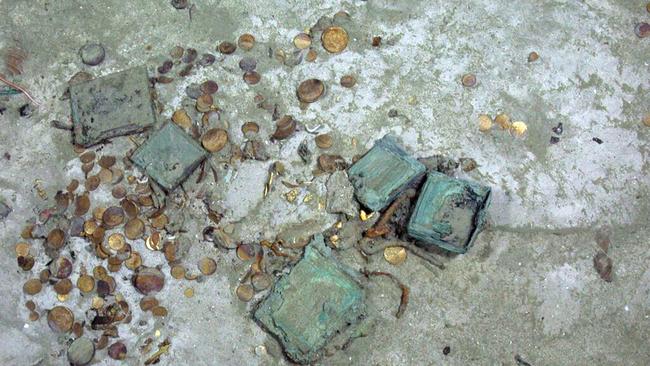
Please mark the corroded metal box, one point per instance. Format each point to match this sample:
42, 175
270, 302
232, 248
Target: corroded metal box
113, 105
169, 156
318, 300
449, 213
383, 173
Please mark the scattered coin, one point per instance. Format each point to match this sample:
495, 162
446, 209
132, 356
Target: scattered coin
252, 77
117, 351
61, 267
92, 54
159, 221
148, 302
503, 120
302, 41
519, 128
149, 280
250, 129
214, 139
395, 255
226, 48
81, 351
207, 266
245, 292
159, 311
32, 286
468, 80
646, 120
310, 90
60, 319
245, 252
209, 87
86, 283
134, 261
348, 81
642, 30
246, 41
188, 292
178, 271
311, 55
204, 103
113, 216
55, 239
334, 39
331, 163
284, 127
261, 281
324, 141
484, 123
116, 241
22, 249
63, 287
190, 55
118, 192
533, 56
181, 118
247, 64
134, 229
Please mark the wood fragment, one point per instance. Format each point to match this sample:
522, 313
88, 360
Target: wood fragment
14, 58
404, 299
162, 349
520, 361
381, 228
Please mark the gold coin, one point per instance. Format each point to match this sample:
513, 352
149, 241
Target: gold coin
116, 242
60, 319
85, 283
145, 201
89, 227
22, 249
113, 216
468, 80
100, 273
215, 139
245, 292
503, 120
148, 302
62, 297
246, 41
82, 205
519, 128
310, 90
189, 292
324, 141
63, 287
134, 261
55, 239
130, 208
181, 118
159, 221
105, 175
334, 39
207, 266
302, 41
134, 229
395, 255
32, 286
153, 241
159, 311
484, 123
177, 271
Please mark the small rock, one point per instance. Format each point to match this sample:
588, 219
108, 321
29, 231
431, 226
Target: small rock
467, 164
179, 4
554, 140
533, 56
558, 129
26, 110
81, 351
393, 113
604, 266
303, 152
92, 54
340, 195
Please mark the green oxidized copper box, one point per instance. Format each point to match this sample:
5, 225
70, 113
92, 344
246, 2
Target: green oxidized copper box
383, 173
169, 156
449, 213
113, 105
316, 301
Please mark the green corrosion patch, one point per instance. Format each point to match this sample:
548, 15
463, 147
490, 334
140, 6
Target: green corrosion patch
114, 105
449, 213
316, 301
383, 173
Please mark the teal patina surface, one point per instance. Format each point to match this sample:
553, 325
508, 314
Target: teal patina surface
449, 213
318, 299
114, 105
383, 173
169, 156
